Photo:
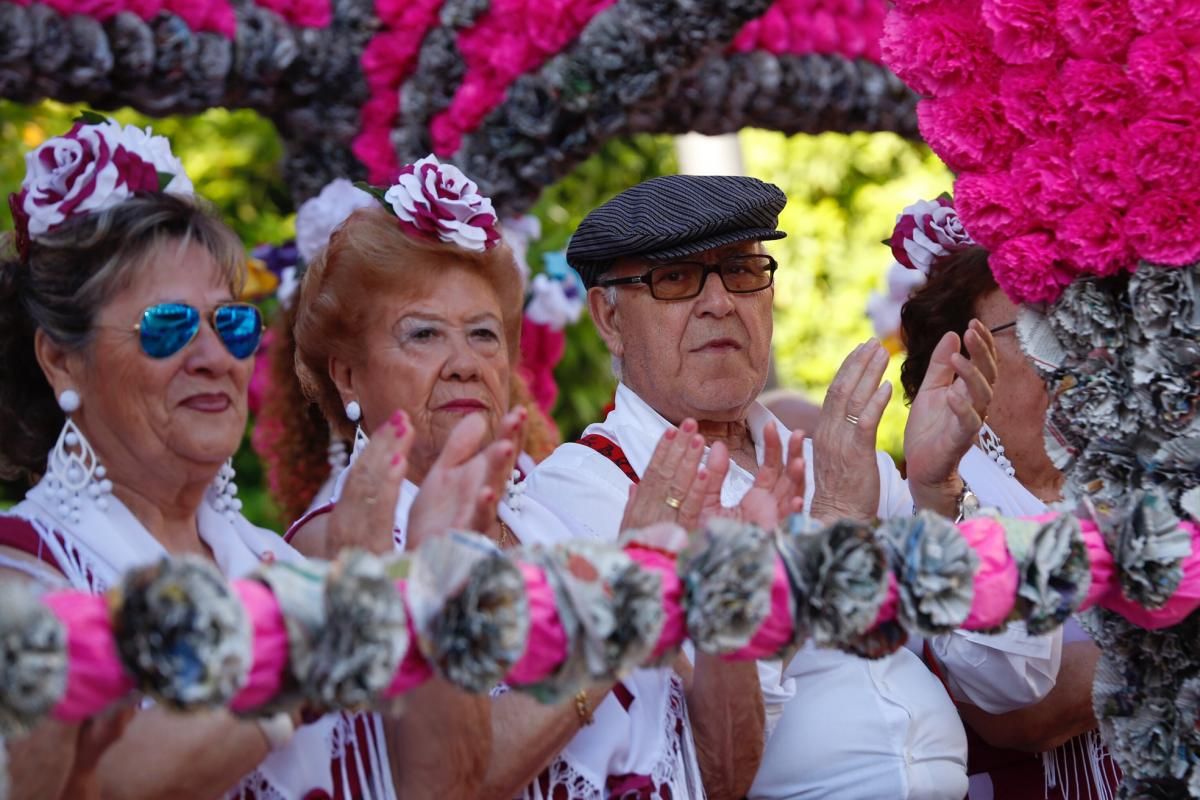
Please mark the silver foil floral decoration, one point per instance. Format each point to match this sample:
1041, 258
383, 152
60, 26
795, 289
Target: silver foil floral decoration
365, 636
469, 605
33, 659
935, 572
299, 590
182, 633
840, 578
1053, 568
727, 575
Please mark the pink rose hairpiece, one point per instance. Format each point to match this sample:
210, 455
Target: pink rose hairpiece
437, 201
96, 165
926, 232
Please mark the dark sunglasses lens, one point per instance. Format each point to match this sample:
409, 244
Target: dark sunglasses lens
240, 328
747, 273
676, 281
167, 328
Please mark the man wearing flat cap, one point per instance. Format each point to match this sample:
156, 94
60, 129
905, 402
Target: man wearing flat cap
680, 288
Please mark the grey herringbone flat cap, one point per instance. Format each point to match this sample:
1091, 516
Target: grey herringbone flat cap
675, 216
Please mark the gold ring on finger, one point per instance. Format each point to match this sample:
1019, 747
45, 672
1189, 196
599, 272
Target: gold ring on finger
673, 502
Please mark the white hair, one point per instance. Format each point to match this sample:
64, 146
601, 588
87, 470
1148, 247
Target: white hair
610, 297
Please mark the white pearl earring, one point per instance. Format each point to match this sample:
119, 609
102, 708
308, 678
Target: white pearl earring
353, 411
68, 401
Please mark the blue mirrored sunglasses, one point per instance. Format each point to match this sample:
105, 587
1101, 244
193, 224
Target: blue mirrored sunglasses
167, 328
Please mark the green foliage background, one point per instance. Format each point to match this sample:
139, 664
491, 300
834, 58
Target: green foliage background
844, 193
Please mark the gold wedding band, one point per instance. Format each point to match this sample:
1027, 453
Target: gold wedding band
853, 420
673, 502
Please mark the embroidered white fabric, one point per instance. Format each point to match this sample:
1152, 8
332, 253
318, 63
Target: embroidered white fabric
95, 552
668, 771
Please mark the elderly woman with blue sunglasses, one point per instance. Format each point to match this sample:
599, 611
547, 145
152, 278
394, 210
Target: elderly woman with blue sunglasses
124, 366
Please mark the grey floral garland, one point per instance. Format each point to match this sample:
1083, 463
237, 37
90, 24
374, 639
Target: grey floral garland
1121, 360
308, 81
439, 72
554, 118
791, 94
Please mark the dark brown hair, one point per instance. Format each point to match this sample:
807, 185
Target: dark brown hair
947, 302
69, 275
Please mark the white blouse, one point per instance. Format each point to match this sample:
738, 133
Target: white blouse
914, 744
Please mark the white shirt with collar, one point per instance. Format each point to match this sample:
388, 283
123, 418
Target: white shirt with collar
839, 726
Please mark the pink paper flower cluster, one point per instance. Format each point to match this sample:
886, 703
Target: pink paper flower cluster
511, 38
301, 13
387, 61
1071, 125
211, 16
849, 28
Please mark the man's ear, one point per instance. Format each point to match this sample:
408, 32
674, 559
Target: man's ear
60, 366
606, 319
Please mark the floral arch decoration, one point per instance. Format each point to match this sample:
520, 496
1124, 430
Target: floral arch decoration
516, 92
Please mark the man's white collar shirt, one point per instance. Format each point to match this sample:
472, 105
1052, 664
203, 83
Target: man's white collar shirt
838, 726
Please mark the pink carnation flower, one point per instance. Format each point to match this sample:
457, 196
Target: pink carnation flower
1043, 173
1165, 153
1103, 160
1163, 68
1097, 91
1023, 30
1154, 14
1033, 101
1100, 29
1092, 240
991, 208
936, 53
968, 129
1164, 228
1029, 270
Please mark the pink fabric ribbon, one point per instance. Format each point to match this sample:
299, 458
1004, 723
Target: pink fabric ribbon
674, 629
546, 648
777, 629
270, 655
95, 675
1181, 604
996, 578
414, 669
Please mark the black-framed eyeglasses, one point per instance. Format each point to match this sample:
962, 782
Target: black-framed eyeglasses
1003, 327
682, 280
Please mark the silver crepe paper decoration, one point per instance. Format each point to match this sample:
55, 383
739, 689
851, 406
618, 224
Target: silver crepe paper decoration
840, 578
609, 608
468, 602
1150, 550
727, 575
299, 589
365, 637
33, 659
1054, 570
182, 633
617, 603
935, 572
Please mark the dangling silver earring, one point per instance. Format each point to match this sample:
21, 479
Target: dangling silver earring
223, 493
72, 468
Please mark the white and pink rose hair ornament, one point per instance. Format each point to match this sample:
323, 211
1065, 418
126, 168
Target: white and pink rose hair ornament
437, 201
926, 232
96, 165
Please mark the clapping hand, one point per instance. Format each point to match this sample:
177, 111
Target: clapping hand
778, 488
467, 480
364, 516
947, 414
845, 473
673, 486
